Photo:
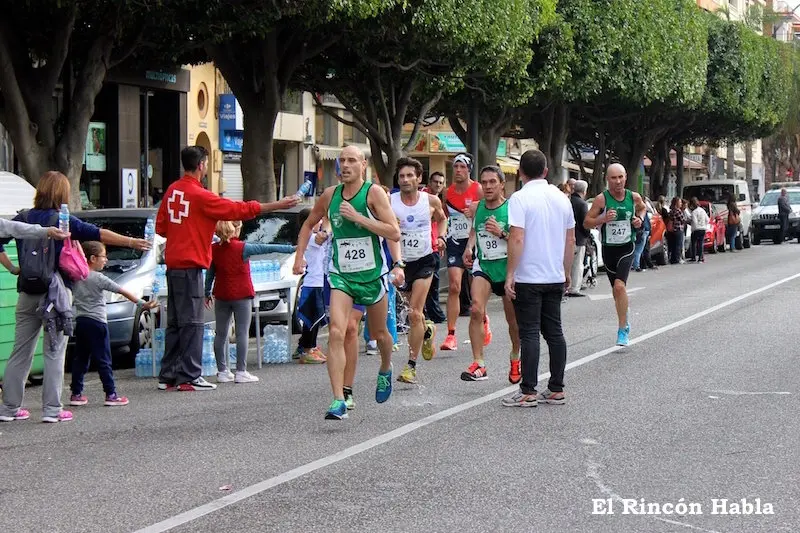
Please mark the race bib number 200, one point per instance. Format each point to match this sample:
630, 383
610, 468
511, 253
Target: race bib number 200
355, 255
458, 228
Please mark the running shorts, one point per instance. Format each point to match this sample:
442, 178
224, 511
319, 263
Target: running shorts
618, 261
362, 293
422, 268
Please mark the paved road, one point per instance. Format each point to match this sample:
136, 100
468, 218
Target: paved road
702, 406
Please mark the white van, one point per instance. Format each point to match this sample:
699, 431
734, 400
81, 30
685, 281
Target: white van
718, 192
17, 194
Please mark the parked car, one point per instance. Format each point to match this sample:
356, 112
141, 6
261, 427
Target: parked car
714, 239
132, 269
765, 224
718, 192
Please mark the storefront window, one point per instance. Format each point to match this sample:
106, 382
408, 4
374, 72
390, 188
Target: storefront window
351, 134
325, 129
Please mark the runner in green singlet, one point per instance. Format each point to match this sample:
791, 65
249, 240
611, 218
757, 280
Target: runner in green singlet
490, 233
619, 211
361, 217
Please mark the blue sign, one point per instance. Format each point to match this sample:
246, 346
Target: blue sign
230, 138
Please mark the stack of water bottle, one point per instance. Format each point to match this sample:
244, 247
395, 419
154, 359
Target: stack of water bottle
144, 363
264, 271
209, 360
276, 345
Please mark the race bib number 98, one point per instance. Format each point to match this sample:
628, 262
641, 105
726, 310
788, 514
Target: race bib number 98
492, 246
355, 255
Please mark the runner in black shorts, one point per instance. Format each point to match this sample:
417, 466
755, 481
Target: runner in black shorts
618, 261
620, 212
414, 211
498, 287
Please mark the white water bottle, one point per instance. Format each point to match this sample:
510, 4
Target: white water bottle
304, 189
63, 218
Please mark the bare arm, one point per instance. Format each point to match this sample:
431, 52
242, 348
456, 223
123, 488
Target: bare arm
593, 218
467, 257
115, 239
318, 212
284, 203
569, 253
385, 225
516, 239
438, 216
639, 208
6, 262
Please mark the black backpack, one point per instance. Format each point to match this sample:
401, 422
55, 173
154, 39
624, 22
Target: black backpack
37, 260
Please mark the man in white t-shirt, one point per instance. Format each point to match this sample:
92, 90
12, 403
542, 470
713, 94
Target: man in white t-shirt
541, 246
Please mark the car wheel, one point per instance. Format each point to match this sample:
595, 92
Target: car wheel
141, 331
714, 249
738, 242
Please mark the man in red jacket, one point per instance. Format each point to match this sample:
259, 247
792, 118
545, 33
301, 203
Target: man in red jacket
187, 218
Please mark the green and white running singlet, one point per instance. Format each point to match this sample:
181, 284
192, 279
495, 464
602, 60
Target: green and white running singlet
492, 250
358, 264
619, 231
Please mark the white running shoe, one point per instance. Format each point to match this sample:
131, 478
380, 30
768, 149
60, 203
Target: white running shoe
245, 377
224, 377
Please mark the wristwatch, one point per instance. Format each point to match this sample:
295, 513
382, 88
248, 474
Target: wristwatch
399, 264
503, 235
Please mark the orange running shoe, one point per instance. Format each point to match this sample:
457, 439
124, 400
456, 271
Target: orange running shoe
515, 373
487, 331
450, 343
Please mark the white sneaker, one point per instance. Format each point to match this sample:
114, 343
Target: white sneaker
245, 377
372, 348
224, 377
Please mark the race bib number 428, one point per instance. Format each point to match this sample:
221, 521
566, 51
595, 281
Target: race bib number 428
355, 254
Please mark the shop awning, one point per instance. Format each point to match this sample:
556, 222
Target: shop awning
508, 165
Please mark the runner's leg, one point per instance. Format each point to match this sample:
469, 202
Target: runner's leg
480, 295
621, 302
351, 347
454, 275
416, 317
341, 304
513, 328
376, 318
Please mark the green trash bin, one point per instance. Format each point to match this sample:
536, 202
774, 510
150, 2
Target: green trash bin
8, 303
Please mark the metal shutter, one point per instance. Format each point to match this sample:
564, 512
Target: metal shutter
232, 180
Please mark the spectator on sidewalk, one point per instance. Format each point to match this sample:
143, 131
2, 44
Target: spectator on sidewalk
579, 209
784, 210
540, 253
642, 240
699, 223
733, 221
311, 303
187, 218
676, 221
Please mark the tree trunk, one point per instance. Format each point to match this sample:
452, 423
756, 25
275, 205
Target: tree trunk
679, 170
599, 171
748, 167
730, 171
258, 164
550, 131
707, 161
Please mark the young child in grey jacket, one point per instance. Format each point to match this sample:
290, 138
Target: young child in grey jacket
91, 327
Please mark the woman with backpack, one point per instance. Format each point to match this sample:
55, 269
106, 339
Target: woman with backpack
41, 279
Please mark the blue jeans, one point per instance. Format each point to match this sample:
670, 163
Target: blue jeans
730, 234
641, 239
92, 342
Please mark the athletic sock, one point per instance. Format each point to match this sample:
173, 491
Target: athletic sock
348, 391
514, 356
451, 332
481, 362
412, 363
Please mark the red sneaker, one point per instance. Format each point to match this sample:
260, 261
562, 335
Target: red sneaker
450, 343
515, 373
475, 372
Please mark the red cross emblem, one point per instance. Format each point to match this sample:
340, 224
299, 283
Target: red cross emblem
177, 207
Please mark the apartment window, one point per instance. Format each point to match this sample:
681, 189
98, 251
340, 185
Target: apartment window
292, 103
325, 129
351, 134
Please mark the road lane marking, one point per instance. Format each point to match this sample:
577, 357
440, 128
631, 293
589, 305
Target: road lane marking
749, 393
600, 297
262, 486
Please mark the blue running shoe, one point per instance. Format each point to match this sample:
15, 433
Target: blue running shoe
337, 410
384, 388
622, 337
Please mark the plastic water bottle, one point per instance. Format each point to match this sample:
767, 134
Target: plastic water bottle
144, 363
284, 354
159, 337
274, 270
161, 275
209, 362
150, 230
63, 218
305, 189
232, 356
269, 345
156, 288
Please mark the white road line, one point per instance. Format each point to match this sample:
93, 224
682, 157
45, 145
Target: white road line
262, 486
